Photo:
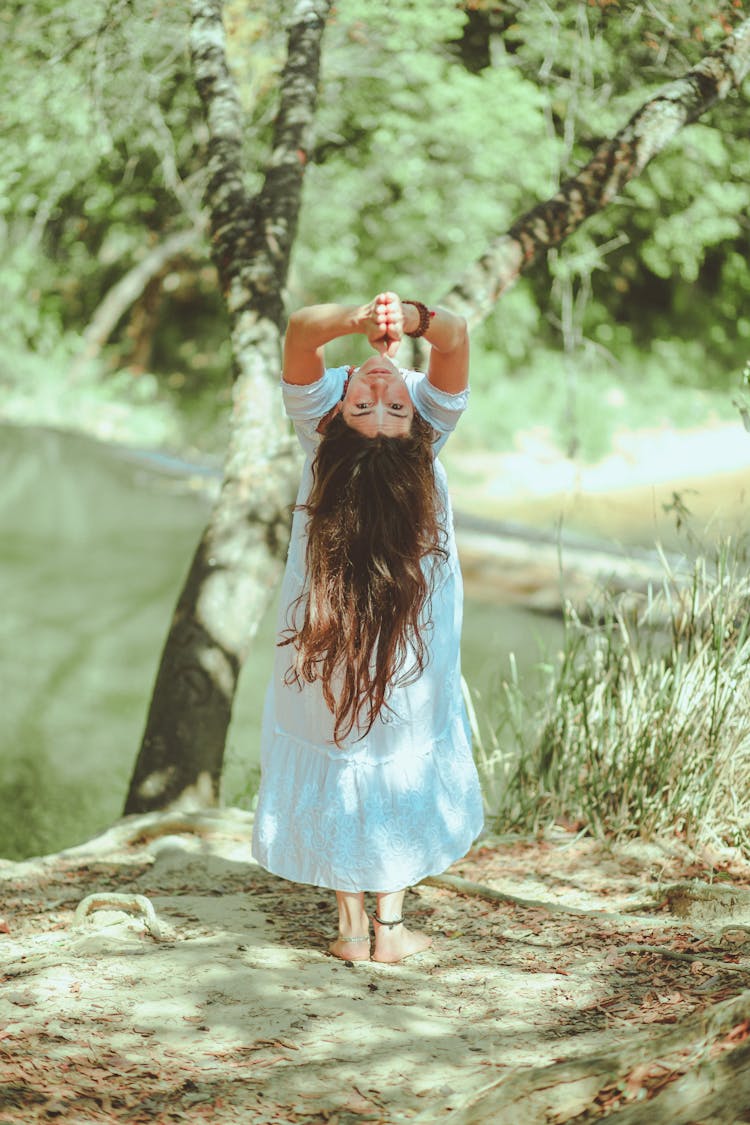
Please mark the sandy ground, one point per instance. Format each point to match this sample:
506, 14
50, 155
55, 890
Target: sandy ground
236, 1013
230, 1010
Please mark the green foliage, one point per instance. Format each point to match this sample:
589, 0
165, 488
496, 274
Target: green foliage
581, 408
418, 161
653, 261
642, 725
47, 805
438, 125
102, 153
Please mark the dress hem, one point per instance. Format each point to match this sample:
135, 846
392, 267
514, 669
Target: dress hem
327, 883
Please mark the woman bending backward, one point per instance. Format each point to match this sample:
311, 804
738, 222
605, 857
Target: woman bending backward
367, 778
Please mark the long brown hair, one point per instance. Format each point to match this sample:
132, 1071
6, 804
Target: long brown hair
374, 517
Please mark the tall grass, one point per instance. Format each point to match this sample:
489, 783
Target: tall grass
642, 723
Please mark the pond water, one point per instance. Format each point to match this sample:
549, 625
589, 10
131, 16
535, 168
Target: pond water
94, 547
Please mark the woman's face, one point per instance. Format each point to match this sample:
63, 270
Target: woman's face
377, 401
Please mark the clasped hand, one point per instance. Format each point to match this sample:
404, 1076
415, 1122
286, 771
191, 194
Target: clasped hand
384, 323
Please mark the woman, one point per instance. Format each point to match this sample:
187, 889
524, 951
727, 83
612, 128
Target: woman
368, 781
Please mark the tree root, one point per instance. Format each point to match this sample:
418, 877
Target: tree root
481, 890
700, 1067
733, 927
131, 904
705, 902
697, 902
677, 955
142, 828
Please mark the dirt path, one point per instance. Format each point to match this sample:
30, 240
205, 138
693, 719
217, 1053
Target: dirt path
236, 1014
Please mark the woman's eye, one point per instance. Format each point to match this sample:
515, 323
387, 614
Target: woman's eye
362, 405
397, 406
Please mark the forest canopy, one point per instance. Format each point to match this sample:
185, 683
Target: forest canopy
438, 123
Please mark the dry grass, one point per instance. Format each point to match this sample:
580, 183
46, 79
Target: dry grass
642, 725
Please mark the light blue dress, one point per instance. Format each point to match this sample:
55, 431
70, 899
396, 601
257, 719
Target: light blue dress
404, 802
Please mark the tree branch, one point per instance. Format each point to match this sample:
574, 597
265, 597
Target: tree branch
614, 164
130, 286
226, 199
279, 198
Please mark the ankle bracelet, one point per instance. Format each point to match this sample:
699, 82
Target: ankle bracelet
382, 922
343, 937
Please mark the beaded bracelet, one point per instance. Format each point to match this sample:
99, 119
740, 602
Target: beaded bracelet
425, 316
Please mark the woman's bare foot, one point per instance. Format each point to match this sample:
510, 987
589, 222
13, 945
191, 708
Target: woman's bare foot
349, 950
393, 943
353, 942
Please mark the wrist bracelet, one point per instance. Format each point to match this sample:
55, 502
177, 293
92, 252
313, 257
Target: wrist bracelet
425, 316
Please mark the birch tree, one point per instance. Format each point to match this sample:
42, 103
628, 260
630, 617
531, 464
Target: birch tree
237, 563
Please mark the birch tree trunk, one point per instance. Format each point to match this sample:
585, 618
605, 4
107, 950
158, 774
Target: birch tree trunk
237, 563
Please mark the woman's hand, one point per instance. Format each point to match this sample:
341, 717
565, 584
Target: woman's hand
384, 323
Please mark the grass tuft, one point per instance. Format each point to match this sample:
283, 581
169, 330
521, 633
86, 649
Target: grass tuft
641, 725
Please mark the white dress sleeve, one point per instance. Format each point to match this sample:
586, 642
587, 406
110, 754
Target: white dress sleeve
438, 408
306, 404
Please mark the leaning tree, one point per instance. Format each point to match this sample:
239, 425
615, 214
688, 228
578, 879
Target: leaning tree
238, 561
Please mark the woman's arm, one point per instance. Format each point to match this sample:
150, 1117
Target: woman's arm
311, 328
448, 337
384, 320
446, 333
307, 332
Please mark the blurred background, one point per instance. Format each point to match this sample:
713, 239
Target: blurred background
606, 387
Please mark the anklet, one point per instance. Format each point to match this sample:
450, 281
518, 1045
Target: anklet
382, 922
342, 937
